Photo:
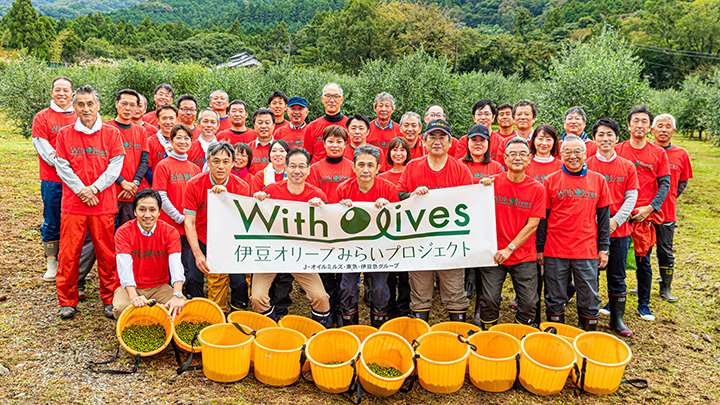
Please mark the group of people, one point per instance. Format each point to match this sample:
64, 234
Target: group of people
131, 192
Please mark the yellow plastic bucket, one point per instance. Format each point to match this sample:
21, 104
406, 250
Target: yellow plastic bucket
304, 325
604, 357
387, 349
254, 321
333, 345
515, 329
493, 363
361, 331
409, 328
566, 332
459, 328
197, 310
545, 362
277, 356
226, 352
146, 315
442, 358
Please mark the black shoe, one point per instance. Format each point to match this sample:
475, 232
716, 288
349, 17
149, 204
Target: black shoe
559, 318
666, 276
378, 316
67, 312
270, 313
424, 315
477, 321
458, 316
350, 316
108, 311
81, 293
617, 311
469, 282
587, 324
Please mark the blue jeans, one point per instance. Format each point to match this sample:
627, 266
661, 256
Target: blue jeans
644, 278
51, 193
616, 266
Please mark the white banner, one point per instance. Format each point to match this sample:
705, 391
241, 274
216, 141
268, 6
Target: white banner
444, 229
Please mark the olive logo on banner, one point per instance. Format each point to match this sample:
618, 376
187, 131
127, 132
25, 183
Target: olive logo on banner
358, 222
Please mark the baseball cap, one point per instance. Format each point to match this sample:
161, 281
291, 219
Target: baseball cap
479, 130
301, 101
439, 125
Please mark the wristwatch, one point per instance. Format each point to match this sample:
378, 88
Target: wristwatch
511, 247
178, 294
607, 252
137, 183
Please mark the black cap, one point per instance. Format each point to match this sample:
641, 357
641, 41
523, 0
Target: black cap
439, 125
479, 130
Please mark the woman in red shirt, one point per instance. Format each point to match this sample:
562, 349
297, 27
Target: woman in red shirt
477, 156
545, 149
275, 170
399, 154
241, 165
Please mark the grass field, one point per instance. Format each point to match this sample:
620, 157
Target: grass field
47, 357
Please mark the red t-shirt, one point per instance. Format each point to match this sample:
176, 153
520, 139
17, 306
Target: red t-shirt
261, 156
172, 176
224, 124
480, 171
135, 143
651, 162
46, 125
314, 137
500, 154
349, 154
381, 189
418, 150
507, 137
572, 224
392, 177
418, 173
620, 176
156, 151
680, 170
195, 132
150, 118
89, 157
247, 177
295, 138
196, 198
493, 144
539, 170
258, 181
380, 137
515, 203
284, 124
327, 177
279, 191
196, 154
233, 137
150, 254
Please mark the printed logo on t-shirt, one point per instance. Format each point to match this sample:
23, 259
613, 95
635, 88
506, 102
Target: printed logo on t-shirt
643, 165
674, 167
90, 150
55, 128
260, 160
540, 179
180, 177
480, 175
610, 178
332, 179
131, 145
512, 201
141, 254
577, 193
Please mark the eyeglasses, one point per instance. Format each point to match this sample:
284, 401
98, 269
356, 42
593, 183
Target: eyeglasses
332, 96
513, 155
295, 167
187, 110
576, 152
436, 115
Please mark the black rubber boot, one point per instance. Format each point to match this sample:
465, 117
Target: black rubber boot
470, 282
666, 276
270, 313
559, 318
350, 316
486, 325
587, 324
617, 311
424, 315
321, 317
458, 315
378, 316
476, 316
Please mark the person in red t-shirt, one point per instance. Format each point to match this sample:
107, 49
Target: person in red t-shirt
294, 132
277, 102
519, 206
187, 112
238, 132
434, 112
383, 129
137, 119
545, 149
399, 155
410, 129
264, 123
653, 171
483, 113
89, 157
293, 189
141, 276
219, 101
218, 179
243, 157
436, 170
328, 173
135, 163
275, 171
524, 114
159, 143
171, 178
505, 122
622, 182
365, 186
680, 172
477, 156
357, 127
163, 94
574, 124
46, 124
332, 99
208, 124
575, 238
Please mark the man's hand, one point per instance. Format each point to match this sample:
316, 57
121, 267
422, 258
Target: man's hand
93, 201
422, 190
218, 188
346, 202
540, 258
174, 307
201, 263
613, 225
487, 181
261, 195
602, 260
129, 186
502, 255
86, 194
643, 213
315, 202
139, 301
381, 202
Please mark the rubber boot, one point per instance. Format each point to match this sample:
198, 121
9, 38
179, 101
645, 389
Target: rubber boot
378, 316
458, 315
559, 318
470, 282
587, 324
666, 276
486, 325
476, 316
270, 313
51, 252
323, 318
617, 311
350, 316
424, 314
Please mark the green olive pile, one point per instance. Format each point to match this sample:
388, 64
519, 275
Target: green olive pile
387, 372
144, 338
333, 363
187, 330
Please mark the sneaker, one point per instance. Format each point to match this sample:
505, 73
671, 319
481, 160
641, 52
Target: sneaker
633, 291
108, 311
67, 312
605, 310
645, 313
81, 293
52, 269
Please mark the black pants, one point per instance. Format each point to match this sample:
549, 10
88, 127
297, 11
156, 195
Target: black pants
399, 302
280, 293
331, 282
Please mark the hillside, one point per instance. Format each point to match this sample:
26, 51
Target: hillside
72, 8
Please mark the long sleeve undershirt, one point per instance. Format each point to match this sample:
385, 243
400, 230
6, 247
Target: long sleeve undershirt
627, 206
127, 277
44, 150
170, 209
663, 189
681, 187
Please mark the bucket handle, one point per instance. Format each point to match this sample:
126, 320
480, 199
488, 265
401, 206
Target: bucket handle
517, 370
639, 383
551, 329
580, 376
91, 365
186, 366
239, 327
413, 376
415, 344
472, 346
355, 386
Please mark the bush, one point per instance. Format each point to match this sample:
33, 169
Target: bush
602, 76
24, 90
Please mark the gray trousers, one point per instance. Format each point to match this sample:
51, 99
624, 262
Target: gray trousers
86, 261
452, 289
525, 280
379, 291
585, 274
